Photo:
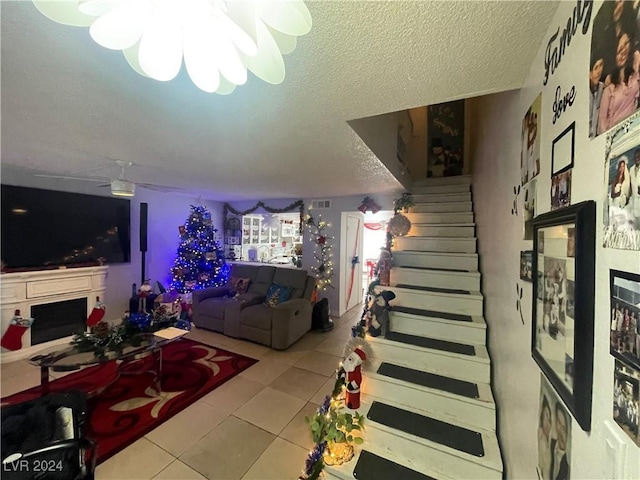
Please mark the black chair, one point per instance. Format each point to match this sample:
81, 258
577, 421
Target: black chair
44, 439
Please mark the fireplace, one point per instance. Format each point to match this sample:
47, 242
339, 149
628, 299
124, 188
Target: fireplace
58, 320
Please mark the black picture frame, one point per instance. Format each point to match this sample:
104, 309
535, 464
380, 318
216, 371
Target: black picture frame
624, 341
559, 148
563, 346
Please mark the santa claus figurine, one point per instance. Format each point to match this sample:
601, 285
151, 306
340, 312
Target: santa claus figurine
352, 367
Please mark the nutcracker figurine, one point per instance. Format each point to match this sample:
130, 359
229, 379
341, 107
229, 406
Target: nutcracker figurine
352, 367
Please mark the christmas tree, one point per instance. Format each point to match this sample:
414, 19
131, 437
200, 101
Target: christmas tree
200, 262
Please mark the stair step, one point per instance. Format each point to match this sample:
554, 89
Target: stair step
441, 197
441, 362
469, 303
373, 467
432, 343
454, 180
441, 207
430, 380
432, 289
458, 438
433, 325
436, 244
440, 218
436, 278
440, 189
457, 230
436, 260
458, 317
430, 400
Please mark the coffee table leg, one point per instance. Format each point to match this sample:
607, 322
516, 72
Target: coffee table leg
157, 380
44, 379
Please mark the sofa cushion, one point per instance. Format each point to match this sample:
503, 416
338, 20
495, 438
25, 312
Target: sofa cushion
212, 307
244, 271
257, 316
296, 279
238, 285
277, 294
263, 280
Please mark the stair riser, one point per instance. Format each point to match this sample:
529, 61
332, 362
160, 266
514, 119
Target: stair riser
439, 302
427, 278
442, 198
421, 230
439, 218
451, 245
424, 260
440, 189
463, 368
461, 332
418, 398
464, 207
437, 181
448, 464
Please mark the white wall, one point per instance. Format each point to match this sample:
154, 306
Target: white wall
496, 159
165, 213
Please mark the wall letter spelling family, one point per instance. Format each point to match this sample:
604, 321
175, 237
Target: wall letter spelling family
556, 48
560, 103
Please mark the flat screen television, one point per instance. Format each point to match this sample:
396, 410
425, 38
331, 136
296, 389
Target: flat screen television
48, 229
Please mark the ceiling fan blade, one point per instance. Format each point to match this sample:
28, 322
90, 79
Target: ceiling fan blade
160, 188
68, 177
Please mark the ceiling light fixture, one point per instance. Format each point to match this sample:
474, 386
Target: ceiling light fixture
219, 40
123, 188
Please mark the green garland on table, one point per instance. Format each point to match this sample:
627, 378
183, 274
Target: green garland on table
299, 204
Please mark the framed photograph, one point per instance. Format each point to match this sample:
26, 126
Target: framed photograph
530, 138
626, 392
445, 139
561, 190
625, 317
562, 327
622, 186
233, 240
554, 435
529, 208
526, 267
562, 150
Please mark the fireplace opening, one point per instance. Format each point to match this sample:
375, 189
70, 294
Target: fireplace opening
58, 320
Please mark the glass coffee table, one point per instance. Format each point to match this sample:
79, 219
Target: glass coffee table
70, 358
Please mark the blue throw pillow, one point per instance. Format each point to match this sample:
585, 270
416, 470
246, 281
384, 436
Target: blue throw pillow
277, 294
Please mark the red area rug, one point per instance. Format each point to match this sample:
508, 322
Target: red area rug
129, 408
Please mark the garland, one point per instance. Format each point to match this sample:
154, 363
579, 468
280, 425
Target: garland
321, 251
299, 204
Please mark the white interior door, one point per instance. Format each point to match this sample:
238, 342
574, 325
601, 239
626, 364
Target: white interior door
353, 231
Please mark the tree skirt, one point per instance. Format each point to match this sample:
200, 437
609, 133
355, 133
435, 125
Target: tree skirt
129, 408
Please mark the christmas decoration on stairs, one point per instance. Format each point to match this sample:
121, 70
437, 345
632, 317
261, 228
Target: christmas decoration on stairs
200, 261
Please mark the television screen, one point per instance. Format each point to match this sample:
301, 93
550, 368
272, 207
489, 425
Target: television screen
45, 228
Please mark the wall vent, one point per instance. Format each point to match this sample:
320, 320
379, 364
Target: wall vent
321, 204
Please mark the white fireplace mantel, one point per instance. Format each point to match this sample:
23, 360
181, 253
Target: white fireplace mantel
22, 290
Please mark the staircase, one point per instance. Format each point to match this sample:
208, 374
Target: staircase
426, 393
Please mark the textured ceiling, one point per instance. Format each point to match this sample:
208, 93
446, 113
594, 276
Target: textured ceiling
68, 104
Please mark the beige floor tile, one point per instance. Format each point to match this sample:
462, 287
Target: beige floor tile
319, 362
285, 356
208, 337
140, 461
21, 382
265, 371
298, 430
323, 391
250, 349
299, 383
180, 432
308, 342
231, 395
332, 346
179, 471
282, 460
229, 450
270, 409
15, 369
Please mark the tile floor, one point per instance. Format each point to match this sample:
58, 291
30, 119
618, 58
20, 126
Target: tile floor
250, 428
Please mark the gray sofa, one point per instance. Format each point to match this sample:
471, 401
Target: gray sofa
246, 316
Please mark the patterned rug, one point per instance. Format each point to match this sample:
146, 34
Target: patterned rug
129, 407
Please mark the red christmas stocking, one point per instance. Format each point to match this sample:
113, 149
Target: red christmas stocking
96, 315
12, 338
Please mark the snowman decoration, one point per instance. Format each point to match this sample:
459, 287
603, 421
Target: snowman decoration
352, 367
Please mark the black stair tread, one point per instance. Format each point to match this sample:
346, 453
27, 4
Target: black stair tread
459, 317
459, 438
433, 289
436, 269
372, 467
430, 380
433, 343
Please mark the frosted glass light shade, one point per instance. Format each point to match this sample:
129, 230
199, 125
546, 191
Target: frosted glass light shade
219, 40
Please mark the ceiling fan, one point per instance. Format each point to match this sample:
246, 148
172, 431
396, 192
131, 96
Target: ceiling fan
120, 185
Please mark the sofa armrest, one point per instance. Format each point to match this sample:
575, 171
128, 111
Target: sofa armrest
212, 292
290, 321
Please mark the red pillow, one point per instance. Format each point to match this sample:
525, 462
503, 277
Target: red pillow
238, 285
